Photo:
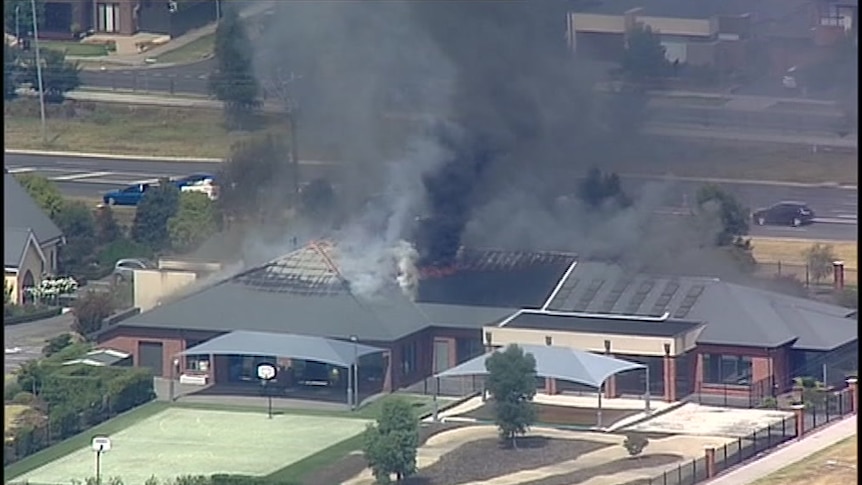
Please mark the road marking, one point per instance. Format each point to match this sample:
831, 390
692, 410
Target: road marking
203, 76
79, 176
21, 170
157, 75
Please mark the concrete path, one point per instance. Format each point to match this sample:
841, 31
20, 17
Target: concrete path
689, 447
789, 454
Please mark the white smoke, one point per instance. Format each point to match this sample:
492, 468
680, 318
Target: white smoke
373, 252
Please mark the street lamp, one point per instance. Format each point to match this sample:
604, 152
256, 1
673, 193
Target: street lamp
353, 381
39, 74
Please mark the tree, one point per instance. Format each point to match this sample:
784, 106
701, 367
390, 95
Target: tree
733, 216
819, 258
644, 63
57, 344
512, 383
194, 222
232, 80
390, 446
107, 228
157, 206
318, 199
91, 310
75, 219
254, 176
600, 189
635, 443
58, 75
18, 15
43, 191
10, 71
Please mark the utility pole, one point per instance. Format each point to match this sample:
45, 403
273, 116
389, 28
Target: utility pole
218, 10
18, 25
39, 75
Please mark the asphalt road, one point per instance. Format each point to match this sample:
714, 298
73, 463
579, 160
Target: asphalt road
836, 208
24, 342
189, 78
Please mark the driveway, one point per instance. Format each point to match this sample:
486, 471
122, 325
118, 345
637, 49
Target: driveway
24, 341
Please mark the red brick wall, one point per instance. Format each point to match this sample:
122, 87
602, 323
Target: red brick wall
763, 363
128, 340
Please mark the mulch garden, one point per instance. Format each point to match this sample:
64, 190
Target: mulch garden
559, 415
610, 468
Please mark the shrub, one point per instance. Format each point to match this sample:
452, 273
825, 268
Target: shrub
57, 344
23, 397
131, 388
64, 421
635, 443
10, 390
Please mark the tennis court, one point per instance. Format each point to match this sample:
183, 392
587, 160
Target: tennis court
182, 441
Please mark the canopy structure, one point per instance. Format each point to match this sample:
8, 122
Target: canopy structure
561, 363
303, 347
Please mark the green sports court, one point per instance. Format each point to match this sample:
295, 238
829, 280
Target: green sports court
184, 441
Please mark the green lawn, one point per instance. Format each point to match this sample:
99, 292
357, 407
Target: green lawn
191, 52
75, 48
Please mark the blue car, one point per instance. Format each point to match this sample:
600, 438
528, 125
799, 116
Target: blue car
131, 195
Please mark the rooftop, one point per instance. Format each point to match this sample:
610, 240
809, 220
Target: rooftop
619, 325
20, 212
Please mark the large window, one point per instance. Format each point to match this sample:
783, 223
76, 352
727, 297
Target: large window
726, 369
408, 358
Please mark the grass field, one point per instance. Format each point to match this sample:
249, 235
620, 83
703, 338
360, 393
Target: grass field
791, 252
181, 441
193, 51
75, 48
11, 413
153, 131
834, 465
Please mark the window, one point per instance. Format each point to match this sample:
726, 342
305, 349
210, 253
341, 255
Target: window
726, 369
408, 358
108, 17
467, 348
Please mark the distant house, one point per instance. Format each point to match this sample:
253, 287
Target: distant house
31, 240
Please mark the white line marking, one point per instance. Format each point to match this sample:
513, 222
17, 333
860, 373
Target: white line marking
80, 176
21, 170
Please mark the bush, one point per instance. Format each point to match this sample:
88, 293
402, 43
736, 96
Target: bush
10, 390
64, 421
57, 344
24, 397
131, 388
635, 443
91, 310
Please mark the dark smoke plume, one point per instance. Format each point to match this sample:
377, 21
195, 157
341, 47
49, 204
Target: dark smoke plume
513, 100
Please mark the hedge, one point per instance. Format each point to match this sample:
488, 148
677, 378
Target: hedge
32, 317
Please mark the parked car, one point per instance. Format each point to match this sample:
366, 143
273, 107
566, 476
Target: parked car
784, 213
131, 195
199, 182
125, 268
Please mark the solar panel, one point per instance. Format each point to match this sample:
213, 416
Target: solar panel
661, 304
615, 294
689, 301
565, 292
639, 297
589, 294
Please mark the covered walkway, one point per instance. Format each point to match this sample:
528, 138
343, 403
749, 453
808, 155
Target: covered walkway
338, 353
561, 363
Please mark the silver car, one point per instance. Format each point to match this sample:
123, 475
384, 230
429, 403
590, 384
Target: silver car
124, 269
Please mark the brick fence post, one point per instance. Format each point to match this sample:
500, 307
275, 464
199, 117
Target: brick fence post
853, 385
710, 460
799, 411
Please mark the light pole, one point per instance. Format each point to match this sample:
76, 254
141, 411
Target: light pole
39, 74
18, 23
218, 10
354, 372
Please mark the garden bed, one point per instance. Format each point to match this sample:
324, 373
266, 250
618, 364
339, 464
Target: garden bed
611, 468
484, 459
559, 415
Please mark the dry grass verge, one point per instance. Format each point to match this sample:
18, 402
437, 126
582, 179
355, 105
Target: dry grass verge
834, 465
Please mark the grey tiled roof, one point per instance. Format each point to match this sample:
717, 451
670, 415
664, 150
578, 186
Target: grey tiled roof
14, 245
734, 314
21, 211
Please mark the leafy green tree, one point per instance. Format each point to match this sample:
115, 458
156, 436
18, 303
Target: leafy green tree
43, 191
10, 71
254, 177
194, 222
232, 80
512, 384
75, 219
635, 443
732, 215
644, 63
158, 205
58, 75
108, 230
599, 189
21, 11
90, 310
390, 445
819, 258
318, 199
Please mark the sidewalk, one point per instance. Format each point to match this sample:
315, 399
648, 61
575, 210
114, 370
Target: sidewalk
140, 60
789, 454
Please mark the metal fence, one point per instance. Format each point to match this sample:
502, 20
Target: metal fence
803, 274
819, 412
458, 387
